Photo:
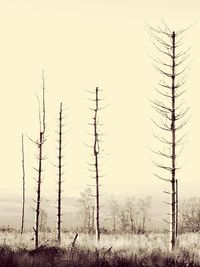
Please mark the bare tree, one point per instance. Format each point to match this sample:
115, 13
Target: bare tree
23, 187
190, 215
87, 210
173, 67
131, 209
40, 143
94, 167
114, 209
43, 220
124, 220
96, 153
144, 205
60, 171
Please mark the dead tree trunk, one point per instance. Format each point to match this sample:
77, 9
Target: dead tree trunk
172, 112
177, 204
23, 188
173, 131
94, 167
39, 181
96, 153
40, 144
60, 173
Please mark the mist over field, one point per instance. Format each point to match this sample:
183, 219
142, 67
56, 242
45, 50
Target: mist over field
11, 205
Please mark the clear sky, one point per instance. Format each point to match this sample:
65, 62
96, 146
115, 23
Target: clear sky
80, 45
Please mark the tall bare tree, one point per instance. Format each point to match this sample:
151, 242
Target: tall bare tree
23, 187
94, 167
96, 153
173, 66
40, 144
60, 143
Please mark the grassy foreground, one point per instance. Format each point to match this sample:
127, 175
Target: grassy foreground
114, 251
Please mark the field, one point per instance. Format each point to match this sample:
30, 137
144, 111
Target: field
114, 250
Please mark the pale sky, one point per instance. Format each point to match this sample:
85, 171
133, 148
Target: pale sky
81, 45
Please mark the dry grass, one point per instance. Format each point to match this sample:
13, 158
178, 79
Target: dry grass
114, 250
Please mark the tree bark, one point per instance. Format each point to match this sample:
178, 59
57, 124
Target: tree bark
38, 192
173, 131
40, 144
59, 174
96, 152
23, 188
177, 204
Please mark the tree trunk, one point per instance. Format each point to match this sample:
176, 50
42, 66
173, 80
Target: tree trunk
96, 152
23, 178
40, 143
168, 43
59, 174
177, 208
173, 130
38, 192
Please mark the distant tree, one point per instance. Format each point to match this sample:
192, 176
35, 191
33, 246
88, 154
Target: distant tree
123, 220
130, 216
144, 205
172, 65
114, 210
87, 210
43, 221
190, 215
132, 211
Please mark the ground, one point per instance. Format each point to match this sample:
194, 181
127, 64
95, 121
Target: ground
114, 250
